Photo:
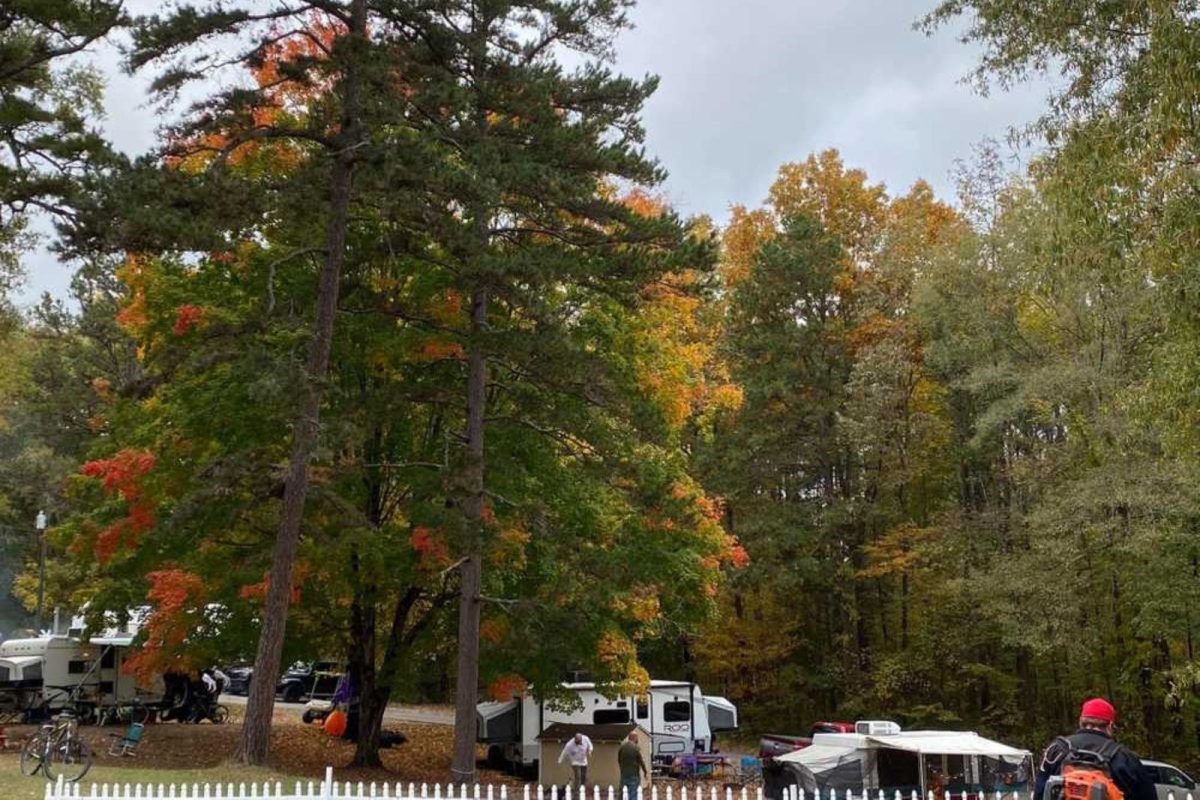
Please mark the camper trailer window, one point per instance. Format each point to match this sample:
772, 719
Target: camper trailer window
5, 674
643, 709
610, 716
108, 659
77, 667
33, 672
677, 711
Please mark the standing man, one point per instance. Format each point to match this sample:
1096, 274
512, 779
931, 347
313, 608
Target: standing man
630, 761
1092, 747
578, 750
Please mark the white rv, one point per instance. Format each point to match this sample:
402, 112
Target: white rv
42, 671
679, 718
46, 671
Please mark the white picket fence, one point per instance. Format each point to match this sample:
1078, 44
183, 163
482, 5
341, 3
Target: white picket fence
329, 789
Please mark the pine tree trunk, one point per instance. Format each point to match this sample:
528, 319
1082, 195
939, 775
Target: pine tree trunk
260, 705
466, 690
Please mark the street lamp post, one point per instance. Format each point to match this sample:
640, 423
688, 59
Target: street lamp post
40, 523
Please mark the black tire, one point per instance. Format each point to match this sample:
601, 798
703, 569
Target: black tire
69, 760
293, 694
31, 755
219, 715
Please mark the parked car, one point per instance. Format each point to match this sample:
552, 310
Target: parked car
239, 680
1169, 780
308, 681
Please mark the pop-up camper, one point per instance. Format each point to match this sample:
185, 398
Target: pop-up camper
880, 757
677, 716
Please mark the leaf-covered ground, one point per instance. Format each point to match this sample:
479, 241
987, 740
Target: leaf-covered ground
297, 750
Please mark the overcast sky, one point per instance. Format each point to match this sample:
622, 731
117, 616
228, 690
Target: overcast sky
748, 85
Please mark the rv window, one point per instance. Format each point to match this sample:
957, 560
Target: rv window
32, 673
610, 716
643, 709
677, 711
77, 667
4, 674
109, 659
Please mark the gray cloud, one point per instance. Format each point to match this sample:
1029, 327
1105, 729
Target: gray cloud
748, 85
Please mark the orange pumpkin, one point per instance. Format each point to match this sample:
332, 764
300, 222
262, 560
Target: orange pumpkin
335, 723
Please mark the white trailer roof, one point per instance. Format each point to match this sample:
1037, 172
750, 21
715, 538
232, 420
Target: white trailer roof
830, 749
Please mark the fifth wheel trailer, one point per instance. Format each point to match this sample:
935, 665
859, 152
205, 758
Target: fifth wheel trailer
678, 716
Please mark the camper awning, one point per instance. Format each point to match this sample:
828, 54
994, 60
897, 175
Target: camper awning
123, 640
965, 744
824, 754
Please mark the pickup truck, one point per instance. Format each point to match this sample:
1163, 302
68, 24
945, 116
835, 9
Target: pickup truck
777, 744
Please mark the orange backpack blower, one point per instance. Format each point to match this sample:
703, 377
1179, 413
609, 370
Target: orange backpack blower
1087, 774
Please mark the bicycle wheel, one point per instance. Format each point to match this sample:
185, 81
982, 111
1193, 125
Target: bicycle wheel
219, 715
32, 755
69, 759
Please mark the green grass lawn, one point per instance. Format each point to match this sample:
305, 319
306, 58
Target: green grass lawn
15, 786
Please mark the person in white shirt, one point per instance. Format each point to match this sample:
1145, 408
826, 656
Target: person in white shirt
222, 680
578, 750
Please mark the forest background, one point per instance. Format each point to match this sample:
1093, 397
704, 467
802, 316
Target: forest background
403, 297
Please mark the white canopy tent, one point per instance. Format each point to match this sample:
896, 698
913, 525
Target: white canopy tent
914, 760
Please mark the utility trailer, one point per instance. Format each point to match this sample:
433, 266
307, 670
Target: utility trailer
679, 718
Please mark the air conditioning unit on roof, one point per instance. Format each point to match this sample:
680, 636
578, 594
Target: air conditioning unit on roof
876, 727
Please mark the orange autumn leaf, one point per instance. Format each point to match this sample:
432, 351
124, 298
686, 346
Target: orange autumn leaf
188, 317
506, 687
438, 349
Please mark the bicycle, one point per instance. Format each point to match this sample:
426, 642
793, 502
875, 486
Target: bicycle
57, 750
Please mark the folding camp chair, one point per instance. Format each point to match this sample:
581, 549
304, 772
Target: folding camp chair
126, 744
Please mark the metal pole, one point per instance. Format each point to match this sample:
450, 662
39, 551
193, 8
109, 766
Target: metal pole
40, 523
41, 582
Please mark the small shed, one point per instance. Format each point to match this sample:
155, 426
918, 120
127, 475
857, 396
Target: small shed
603, 769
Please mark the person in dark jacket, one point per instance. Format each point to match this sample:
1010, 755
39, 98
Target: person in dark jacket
1097, 718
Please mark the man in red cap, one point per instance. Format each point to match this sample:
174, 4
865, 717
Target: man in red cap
1097, 718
